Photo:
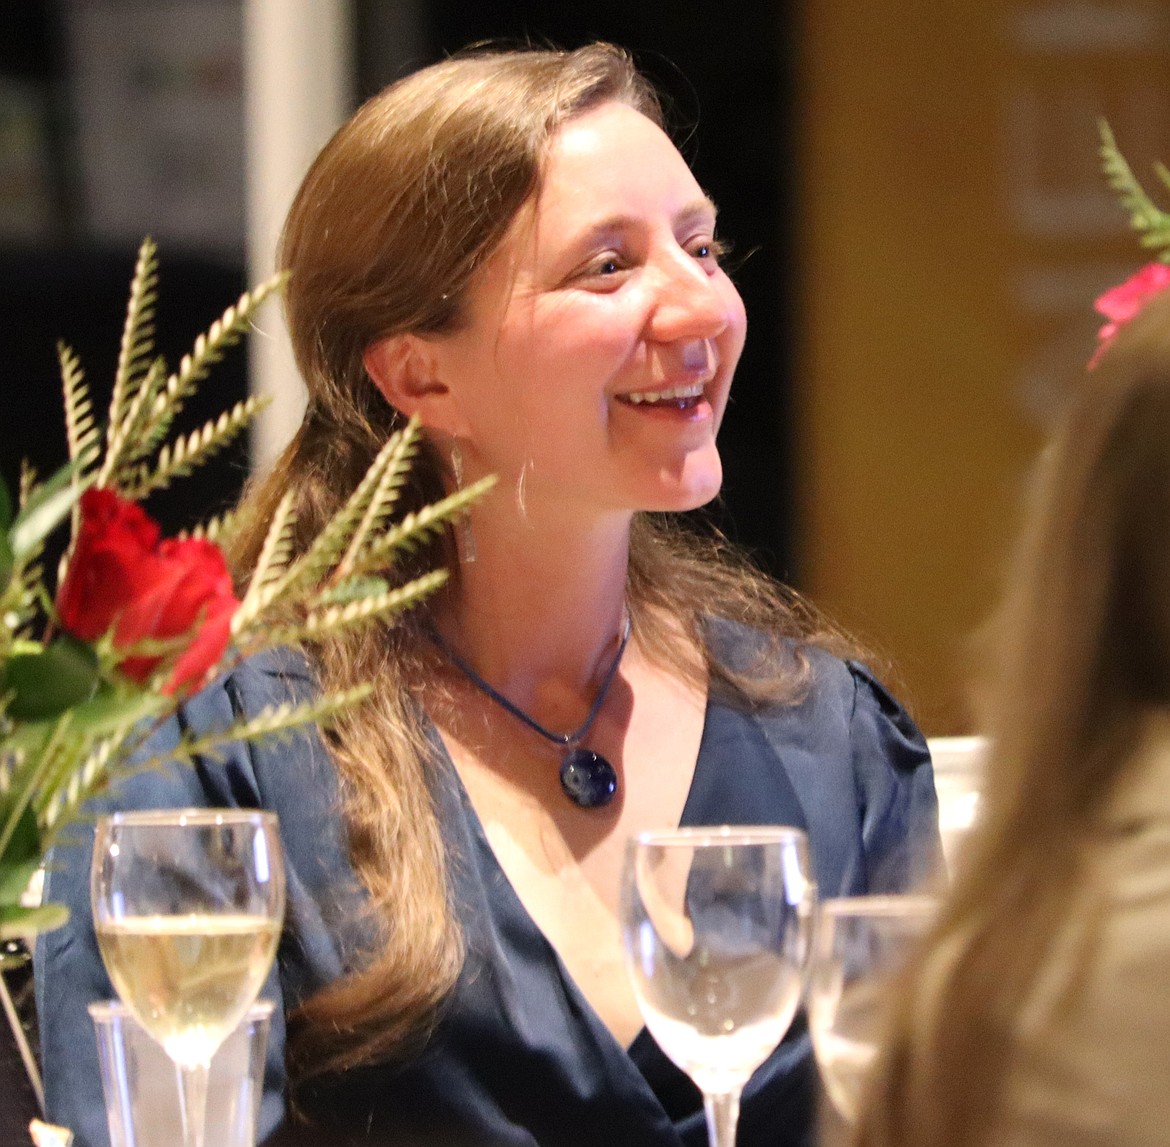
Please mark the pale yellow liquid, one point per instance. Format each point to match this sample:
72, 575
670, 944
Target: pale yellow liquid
189, 980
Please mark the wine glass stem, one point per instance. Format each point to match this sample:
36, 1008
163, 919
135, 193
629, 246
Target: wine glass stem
193, 1096
722, 1116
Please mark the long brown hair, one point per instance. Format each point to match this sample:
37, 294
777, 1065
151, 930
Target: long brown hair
392, 221
1084, 641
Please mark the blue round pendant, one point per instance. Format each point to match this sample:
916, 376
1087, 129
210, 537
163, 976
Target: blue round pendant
589, 780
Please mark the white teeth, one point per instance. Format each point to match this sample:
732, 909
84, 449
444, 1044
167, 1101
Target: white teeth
675, 392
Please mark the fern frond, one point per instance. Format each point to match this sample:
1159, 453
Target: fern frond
332, 619
209, 348
18, 604
1145, 217
214, 529
124, 442
417, 527
81, 431
394, 461
64, 803
18, 613
1163, 173
275, 720
330, 544
352, 589
181, 458
71, 760
105, 762
28, 480
137, 336
270, 565
27, 781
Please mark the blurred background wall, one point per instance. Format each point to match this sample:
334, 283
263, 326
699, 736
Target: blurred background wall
954, 230
911, 188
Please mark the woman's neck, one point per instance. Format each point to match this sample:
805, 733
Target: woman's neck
539, 603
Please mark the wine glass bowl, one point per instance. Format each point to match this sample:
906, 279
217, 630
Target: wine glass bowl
188, 906
717, 930
861, 945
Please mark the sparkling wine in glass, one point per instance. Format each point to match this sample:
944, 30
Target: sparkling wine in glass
862, 943
188, 906
717, 929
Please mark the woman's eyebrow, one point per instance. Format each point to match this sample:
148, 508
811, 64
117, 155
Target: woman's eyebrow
698, 208
702, 208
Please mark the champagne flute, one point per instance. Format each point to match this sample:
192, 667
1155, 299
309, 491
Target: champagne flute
188, 906
861, 944
717, 923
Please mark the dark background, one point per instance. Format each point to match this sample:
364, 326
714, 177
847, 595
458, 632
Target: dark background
727, 74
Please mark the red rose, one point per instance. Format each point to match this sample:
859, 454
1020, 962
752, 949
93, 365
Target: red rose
122, 577
1122, 303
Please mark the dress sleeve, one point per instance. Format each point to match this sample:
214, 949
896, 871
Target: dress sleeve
68, 969
895, 787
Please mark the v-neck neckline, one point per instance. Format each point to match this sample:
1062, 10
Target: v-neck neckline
483, 843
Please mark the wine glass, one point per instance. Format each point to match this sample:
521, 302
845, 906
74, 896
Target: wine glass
717, 923
861, 944
188, 906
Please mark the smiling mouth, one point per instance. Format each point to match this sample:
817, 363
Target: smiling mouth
672, 398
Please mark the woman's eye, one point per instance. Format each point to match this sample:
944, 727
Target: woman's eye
708, 250
609, 265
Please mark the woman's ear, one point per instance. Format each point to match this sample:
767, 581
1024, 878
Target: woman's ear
403, 368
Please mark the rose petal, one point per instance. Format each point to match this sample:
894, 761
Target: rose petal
121, 577
1123, 303
205, 650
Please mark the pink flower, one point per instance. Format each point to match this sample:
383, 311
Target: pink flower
1122, 303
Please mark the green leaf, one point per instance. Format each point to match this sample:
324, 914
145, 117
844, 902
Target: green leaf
14, 880
45, 684
111, 710
24, 845
25, 923
22, 857
47, 507
107, 712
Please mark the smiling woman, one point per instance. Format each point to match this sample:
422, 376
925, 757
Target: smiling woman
612, 327
508, 247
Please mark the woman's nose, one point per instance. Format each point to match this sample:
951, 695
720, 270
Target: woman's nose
693, 303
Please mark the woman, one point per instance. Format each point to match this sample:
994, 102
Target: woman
509, 248
1039, 1010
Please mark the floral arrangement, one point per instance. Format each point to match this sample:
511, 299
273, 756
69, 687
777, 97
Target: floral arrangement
1122, 303
138, 622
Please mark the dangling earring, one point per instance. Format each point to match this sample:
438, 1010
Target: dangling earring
465, 535
521, 505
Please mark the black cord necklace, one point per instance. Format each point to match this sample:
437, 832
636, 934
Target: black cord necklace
587, 778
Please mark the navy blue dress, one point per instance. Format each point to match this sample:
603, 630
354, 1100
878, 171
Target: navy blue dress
519, 1056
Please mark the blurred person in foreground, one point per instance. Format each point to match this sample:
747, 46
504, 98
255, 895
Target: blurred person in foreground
1038, 1011
509, 247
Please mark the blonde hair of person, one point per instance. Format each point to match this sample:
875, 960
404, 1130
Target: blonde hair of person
386, 233
1084, 650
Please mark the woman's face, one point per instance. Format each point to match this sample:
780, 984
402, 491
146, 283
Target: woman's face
602, 335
